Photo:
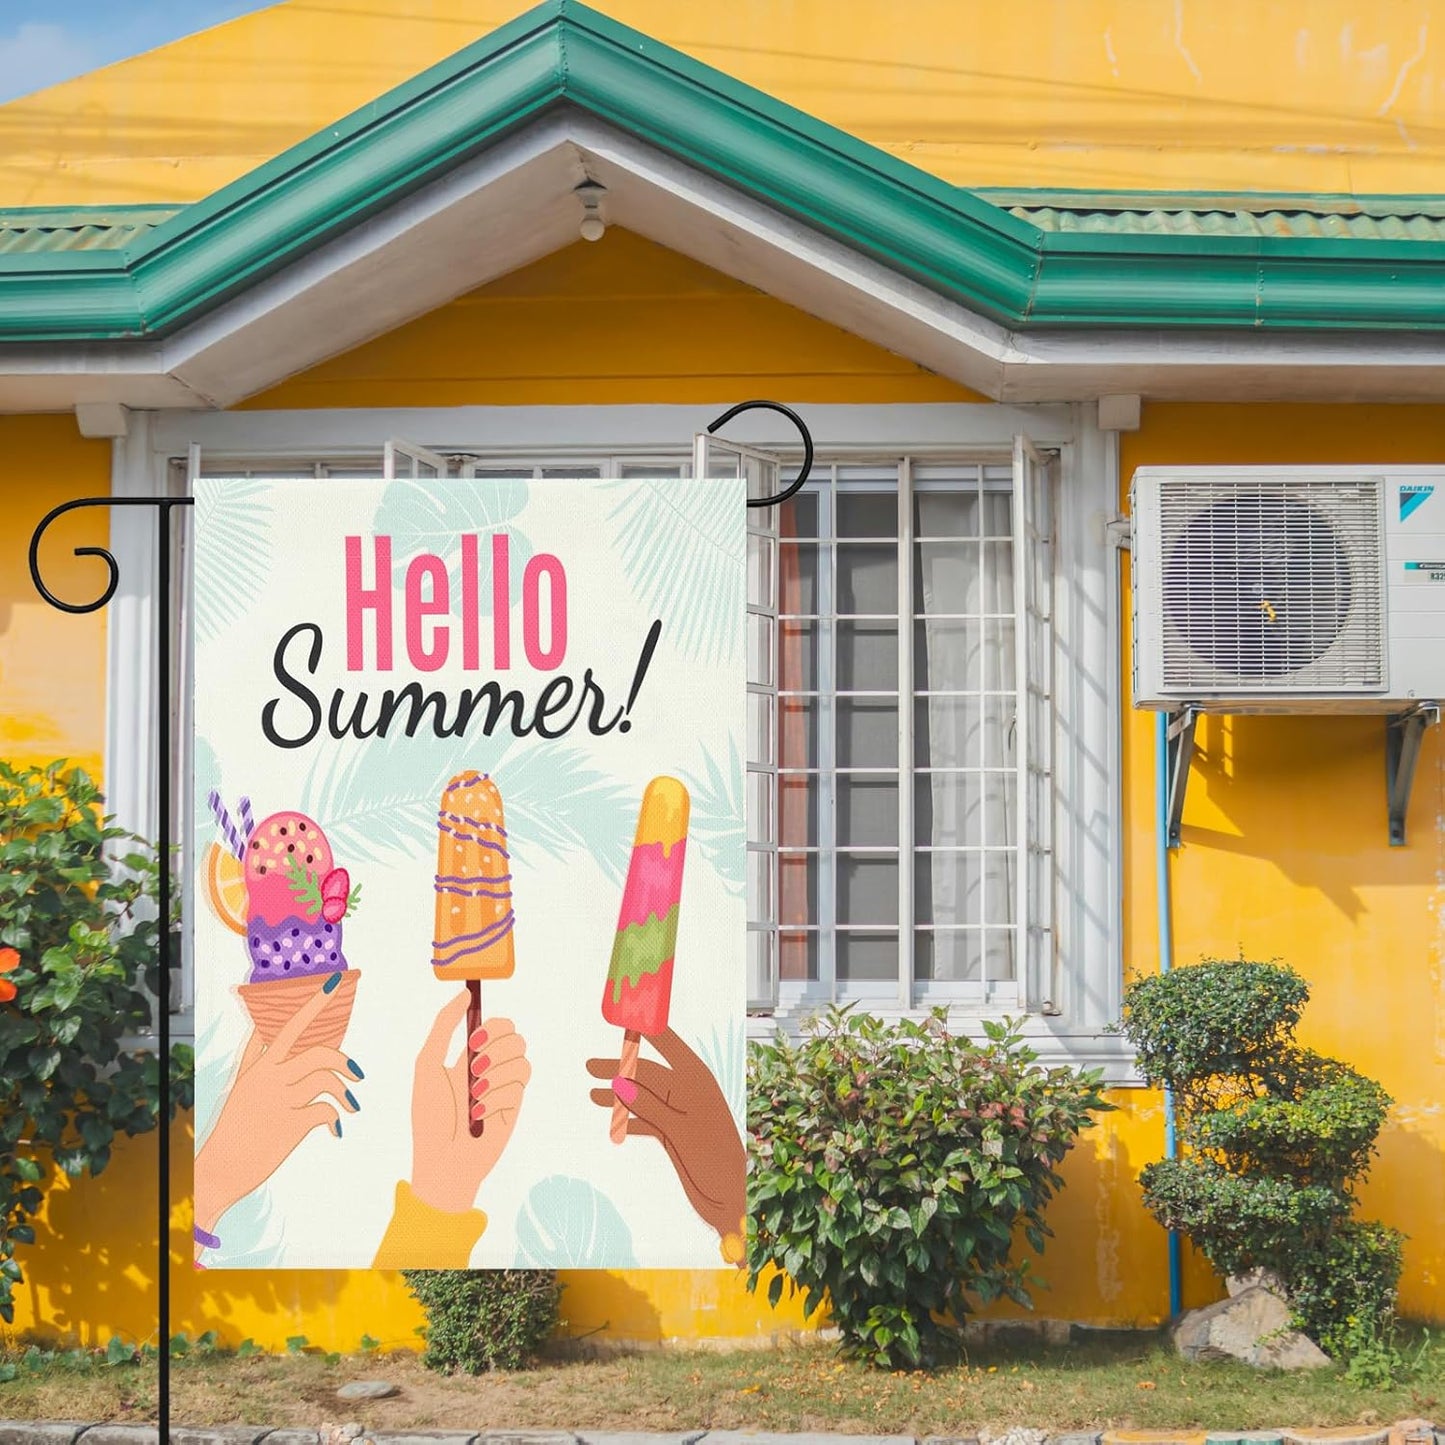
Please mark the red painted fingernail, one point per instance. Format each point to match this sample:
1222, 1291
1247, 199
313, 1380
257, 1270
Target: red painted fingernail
478, 1038
480, 1086
625, 1089
478, 1110
479, 1066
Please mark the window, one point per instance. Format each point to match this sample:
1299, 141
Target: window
900, 831
899, 781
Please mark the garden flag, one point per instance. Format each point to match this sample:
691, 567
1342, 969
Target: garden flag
469, 922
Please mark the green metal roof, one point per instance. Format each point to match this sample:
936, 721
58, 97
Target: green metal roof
84, 281
1153, 213
81, 228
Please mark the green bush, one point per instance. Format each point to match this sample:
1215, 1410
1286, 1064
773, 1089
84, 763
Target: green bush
893, 1164
485, 1319
1276, 1139
78, 926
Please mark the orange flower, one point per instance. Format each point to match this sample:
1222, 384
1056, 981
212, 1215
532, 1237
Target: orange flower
9, 960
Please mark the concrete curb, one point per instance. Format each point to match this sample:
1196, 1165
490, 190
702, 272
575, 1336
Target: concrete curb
77, 1432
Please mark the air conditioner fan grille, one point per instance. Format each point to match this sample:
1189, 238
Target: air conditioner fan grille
1271, 585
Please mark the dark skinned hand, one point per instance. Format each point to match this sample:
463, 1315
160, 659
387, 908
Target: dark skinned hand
680, 1105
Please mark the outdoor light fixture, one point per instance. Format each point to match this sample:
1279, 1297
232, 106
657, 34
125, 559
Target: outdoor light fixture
593, 226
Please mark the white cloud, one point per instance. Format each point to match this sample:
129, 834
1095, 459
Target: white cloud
38, 54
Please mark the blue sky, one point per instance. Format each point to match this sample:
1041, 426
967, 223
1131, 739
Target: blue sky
42, 43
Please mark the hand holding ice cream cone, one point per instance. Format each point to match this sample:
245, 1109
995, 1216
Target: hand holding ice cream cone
283, 1090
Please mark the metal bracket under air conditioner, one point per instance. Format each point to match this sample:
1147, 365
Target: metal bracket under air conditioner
1404, 731
1181, 754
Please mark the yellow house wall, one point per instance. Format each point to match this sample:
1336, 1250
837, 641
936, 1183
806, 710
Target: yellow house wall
1283, 855
1298, 95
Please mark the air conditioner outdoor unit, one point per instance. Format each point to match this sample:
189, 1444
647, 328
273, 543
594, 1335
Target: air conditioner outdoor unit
1288, 589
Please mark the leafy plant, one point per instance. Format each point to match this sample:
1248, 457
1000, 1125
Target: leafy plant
369, 1345
296, 1344
1276, 1140
480, 1320
893, 1166
79, 932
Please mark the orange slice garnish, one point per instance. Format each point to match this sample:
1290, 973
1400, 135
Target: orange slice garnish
226, 887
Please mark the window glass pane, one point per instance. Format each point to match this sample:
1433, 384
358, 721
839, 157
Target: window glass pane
946, 578
760, 570
797, 889
760, 887
502, 474
798, 738
947, 810
998, 654
760, 650
998, 887
798, 656
799, 515
867, 810
867, 657
867, 578
798, 578
867, 956
867, 732
798, 956
997, 513
761, 943
946, 731
1000, 812
998, 955
947, 955
798, 810
867, 514
998, 727
948, 888
643, 469
572, 471
759, 807
945, 514
948, 654
997, 594
867, 888
761, 734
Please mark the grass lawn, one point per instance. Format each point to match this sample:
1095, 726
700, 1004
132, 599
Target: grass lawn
1109, 1383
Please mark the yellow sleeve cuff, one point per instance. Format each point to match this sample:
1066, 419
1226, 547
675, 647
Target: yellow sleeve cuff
420, 1237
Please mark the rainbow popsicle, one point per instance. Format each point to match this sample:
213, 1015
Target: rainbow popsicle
639, 979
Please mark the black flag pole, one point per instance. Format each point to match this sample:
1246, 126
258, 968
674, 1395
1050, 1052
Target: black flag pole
163, 507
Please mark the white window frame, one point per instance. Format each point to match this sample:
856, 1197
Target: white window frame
1083, 998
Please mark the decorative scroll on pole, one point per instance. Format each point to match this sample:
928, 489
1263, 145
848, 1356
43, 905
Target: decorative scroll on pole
163, 507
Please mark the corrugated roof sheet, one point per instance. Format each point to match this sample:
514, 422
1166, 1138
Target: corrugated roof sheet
86, 228
1358, 218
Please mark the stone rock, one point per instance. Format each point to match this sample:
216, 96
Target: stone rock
1017, 1436
1412, 1432
218, 1435
1253, 1327
1336, 1435
368, 1390
1236, 1284
639, 1437
121, 1435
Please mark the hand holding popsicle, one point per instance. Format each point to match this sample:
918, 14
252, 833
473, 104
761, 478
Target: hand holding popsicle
488, 1081
681, 1106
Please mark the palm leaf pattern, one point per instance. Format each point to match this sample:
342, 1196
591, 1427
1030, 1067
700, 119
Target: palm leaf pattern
718, 821
686, 563
570, 1224
232, 528
430, 516
381, 796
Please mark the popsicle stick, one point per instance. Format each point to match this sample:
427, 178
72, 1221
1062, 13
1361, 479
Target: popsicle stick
626, 1069
476, 1127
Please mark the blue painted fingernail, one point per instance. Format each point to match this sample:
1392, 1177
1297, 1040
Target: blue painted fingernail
337, 1127
351, 1099
331, 983
355, 1068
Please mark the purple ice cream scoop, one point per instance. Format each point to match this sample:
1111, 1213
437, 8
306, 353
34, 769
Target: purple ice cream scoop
293, 948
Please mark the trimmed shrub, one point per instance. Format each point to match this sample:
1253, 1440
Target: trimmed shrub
894, 1164
1276, 1139
476, 1320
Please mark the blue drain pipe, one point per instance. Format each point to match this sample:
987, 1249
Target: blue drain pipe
1166, 962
